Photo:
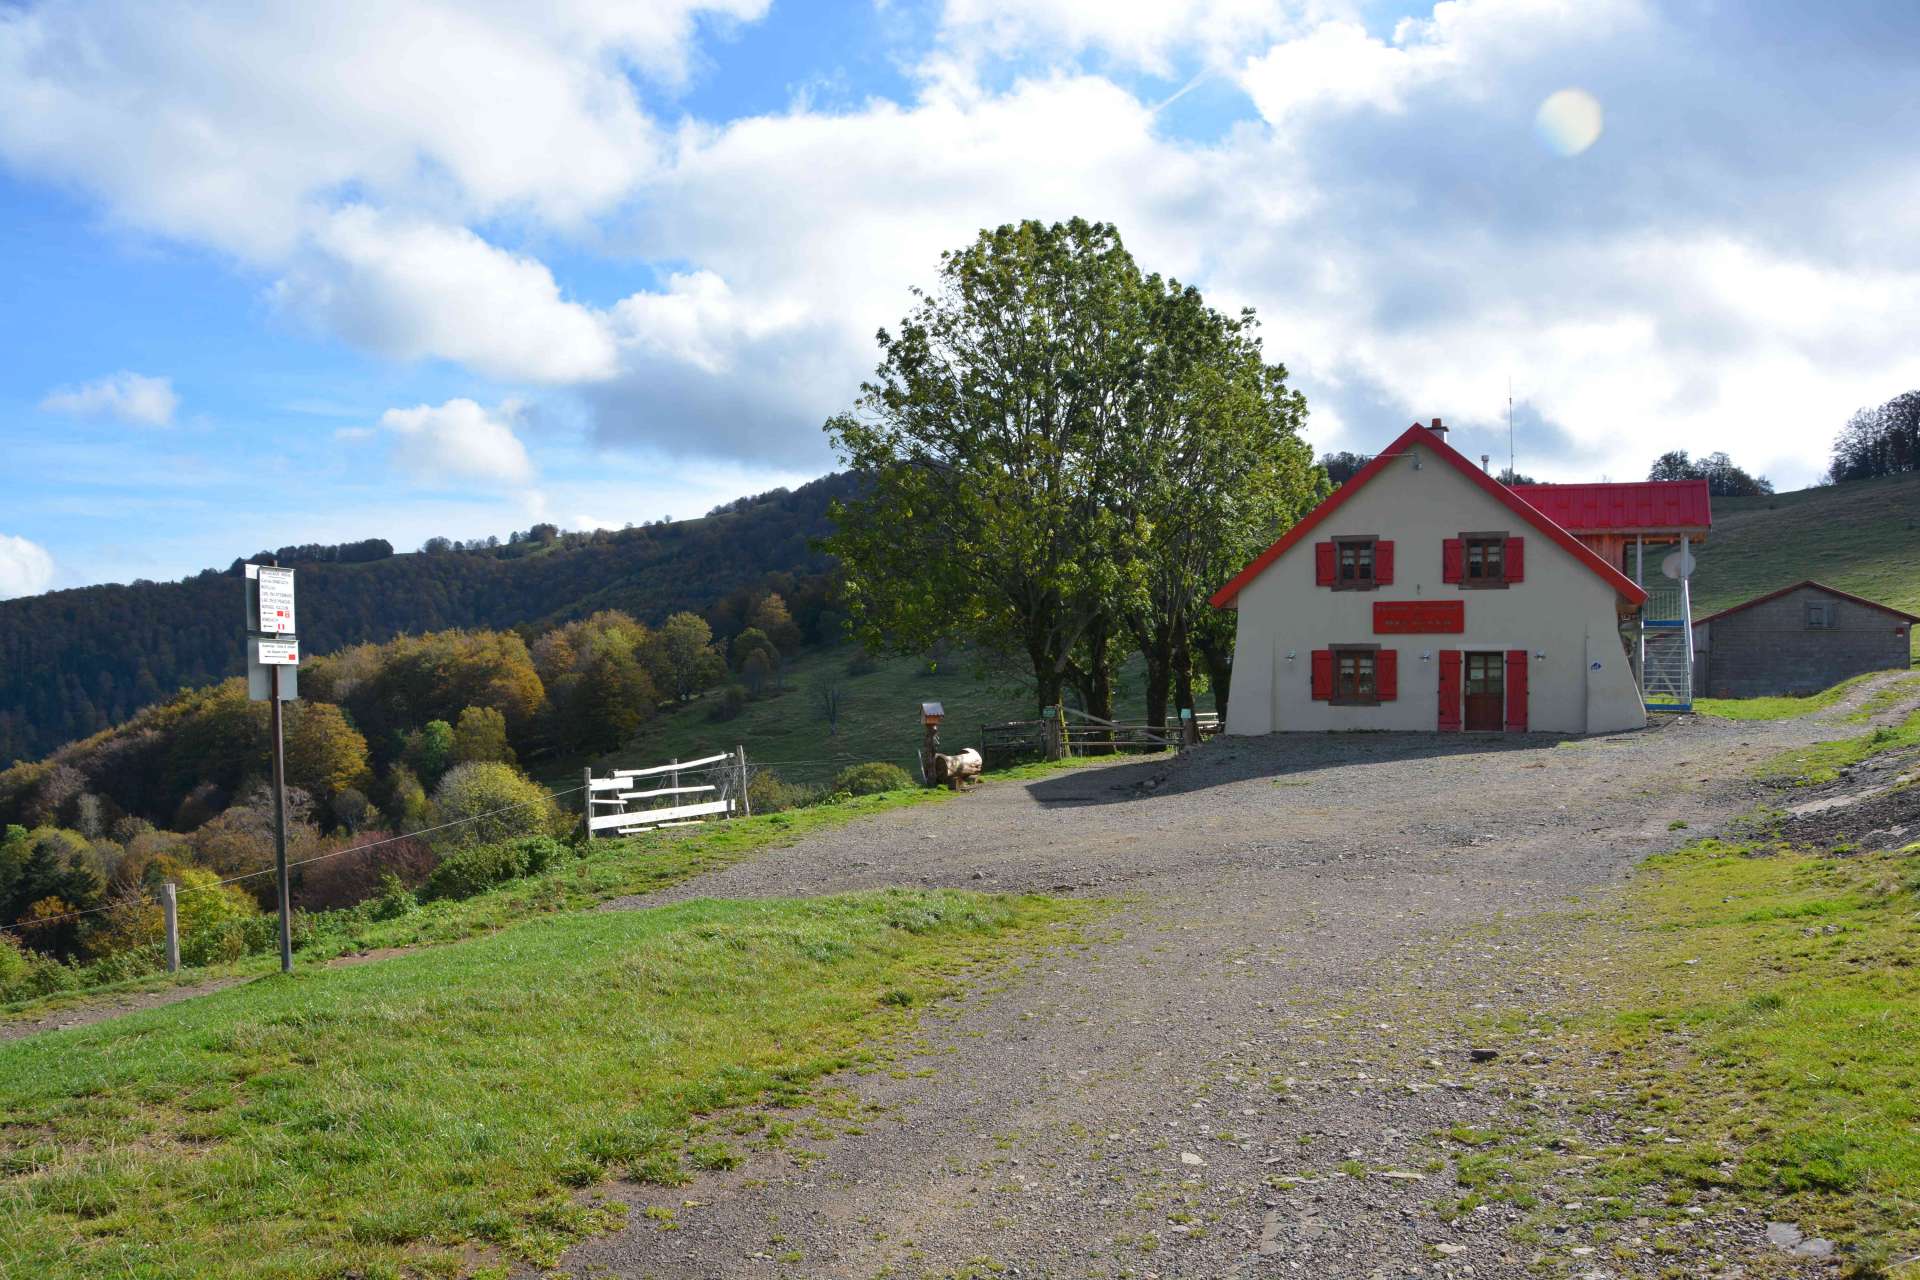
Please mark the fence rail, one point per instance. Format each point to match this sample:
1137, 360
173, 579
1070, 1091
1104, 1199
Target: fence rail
643, 808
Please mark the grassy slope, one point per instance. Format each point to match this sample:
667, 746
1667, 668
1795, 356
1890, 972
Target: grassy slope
388, 1118
879, 718
1862, 537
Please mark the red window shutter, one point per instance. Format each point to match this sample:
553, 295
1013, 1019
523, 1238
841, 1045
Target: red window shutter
1450, 691
1453, 559
1323, 675
1323, 564
1386, 674
1516, 691
1383, 563
1516, 566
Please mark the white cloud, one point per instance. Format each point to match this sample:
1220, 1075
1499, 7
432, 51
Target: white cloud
230, 123
458, 443
25, 567
410, 289
1150, 35
130, 397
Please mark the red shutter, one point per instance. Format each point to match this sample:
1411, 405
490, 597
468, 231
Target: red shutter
1383, 563
1323, 564
1453, 559
1323, 675
1516, 691
1386, 674
1516, 565
1450, 691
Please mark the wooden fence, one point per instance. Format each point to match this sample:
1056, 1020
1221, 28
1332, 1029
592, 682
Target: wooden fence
633, 800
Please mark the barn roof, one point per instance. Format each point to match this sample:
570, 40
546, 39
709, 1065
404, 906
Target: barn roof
1646, 506
1419, 435
1817, 586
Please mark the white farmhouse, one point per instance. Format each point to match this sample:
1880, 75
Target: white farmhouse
1424, 594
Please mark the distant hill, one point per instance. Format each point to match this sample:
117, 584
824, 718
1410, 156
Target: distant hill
75, 662
1862, 536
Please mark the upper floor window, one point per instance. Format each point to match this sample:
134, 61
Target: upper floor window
1486, 560
1355, 563
1820, 614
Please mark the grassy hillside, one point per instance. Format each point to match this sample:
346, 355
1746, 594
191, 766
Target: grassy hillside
879, 717
434, 1113
1863, 537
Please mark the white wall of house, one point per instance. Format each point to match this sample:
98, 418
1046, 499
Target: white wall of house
1561, 612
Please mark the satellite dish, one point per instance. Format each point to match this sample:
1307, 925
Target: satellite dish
1678, 564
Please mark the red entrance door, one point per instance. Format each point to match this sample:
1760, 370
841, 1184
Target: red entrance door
1486, 691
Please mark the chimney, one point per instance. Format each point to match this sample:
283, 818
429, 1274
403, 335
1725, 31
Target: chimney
1439, 430
1485, 458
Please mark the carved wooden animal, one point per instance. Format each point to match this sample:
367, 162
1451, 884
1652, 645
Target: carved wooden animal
957, 770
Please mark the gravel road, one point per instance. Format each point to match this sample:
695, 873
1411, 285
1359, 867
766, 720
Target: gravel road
1305, 926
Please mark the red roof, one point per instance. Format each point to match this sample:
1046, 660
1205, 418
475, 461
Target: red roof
1417, 434
1817, 586
1643, 506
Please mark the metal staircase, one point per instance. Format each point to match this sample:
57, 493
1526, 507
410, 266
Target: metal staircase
1665, 652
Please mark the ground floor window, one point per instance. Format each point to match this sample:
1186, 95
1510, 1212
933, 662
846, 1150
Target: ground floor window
1356, 676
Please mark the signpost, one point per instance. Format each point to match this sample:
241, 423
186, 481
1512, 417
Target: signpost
273, 648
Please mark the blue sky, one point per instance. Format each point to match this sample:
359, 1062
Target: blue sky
287, 273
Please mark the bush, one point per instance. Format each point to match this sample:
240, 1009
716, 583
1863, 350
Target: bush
395, 899
479, 867
492, 802
871, 779
731, 702
25, 973
768, 792
360, 871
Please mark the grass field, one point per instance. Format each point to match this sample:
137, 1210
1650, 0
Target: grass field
1862, 537
1780, 708
433, 1113
879, 717
1823, 761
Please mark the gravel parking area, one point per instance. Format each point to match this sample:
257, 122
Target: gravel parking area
1179, 1098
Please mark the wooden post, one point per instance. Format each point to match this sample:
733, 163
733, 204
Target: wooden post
746, 805
586, 802
170, 905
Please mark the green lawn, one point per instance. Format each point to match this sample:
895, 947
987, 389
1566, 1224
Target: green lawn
1774, 1035
1823, 761
879, 717
432, 1114
1780, 708
1862, 537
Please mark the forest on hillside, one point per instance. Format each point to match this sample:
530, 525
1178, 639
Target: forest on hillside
75, 662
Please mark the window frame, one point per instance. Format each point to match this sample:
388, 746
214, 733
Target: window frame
1371, 542
1467, 541
1828, 614
1371, 652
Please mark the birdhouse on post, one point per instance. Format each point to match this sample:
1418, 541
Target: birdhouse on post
931, 713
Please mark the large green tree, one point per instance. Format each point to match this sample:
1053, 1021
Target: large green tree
1063, 457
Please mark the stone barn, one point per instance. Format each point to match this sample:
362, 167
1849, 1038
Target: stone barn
1797, 640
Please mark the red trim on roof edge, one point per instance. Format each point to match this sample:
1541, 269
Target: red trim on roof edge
1417, 434
1817, 586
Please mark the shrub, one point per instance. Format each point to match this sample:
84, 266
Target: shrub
768, 792
871, 778
395, 899
479, 867
359, 872
731, 702
25, 973
492, 802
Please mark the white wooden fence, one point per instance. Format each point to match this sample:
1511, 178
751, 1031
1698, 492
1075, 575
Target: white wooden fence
622, 804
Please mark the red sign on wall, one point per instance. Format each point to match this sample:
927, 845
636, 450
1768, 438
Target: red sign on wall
1419, 617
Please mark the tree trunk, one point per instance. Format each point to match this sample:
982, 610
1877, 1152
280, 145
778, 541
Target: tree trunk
1219, 662
1182, 672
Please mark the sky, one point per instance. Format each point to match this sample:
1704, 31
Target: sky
281, 272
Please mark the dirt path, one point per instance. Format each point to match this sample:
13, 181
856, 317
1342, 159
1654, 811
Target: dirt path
92, 1011
1179, 1099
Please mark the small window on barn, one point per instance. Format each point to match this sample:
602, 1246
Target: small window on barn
1820, 614
1485, 560
1354, 564
1356, 676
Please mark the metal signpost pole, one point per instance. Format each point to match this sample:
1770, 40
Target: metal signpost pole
280, 827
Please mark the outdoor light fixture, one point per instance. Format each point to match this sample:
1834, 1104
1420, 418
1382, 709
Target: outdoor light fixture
1426, 655
1289, 655
1539, 657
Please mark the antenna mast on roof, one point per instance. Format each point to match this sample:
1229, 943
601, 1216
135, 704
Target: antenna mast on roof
1511, 477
